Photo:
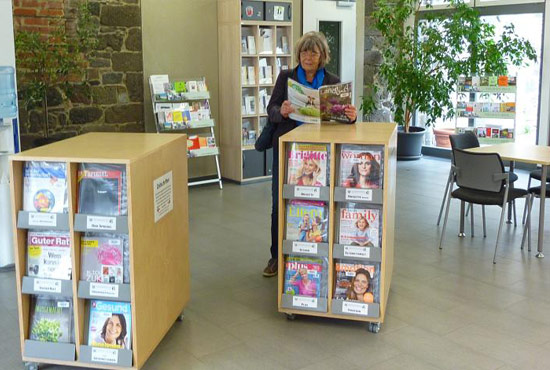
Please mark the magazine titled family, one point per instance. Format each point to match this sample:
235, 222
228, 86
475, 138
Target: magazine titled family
315, 106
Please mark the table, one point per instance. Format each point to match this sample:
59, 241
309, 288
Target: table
535, 154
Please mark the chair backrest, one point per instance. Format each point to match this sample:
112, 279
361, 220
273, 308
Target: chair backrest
466, 140
479, 171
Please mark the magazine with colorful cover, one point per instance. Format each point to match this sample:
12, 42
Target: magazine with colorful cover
307, 221
352, 282
303, 276
328, 103
308, 164
45, 187
110, 324
49, 254
102, 259
361, 166
359, 224
102, 189
51, 319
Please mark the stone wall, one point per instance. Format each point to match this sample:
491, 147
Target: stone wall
112, 98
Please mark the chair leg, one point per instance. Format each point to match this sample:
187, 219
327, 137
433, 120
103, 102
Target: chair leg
472, 219
461, 230
525, 209
502, 213
446, 216
483, 215
526, 227
468, 209
449, 179
514, 209
531, 201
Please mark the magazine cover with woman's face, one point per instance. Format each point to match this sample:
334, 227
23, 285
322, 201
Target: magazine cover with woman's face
307, 164
110, 324
360, 166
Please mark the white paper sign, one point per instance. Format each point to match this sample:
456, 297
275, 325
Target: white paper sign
353, 251
303, 247
107, 355
101, 222
355, 308
47, 285
42, 219
278, 13
312, 192
163, 195
304, 302
104, 290
359, 194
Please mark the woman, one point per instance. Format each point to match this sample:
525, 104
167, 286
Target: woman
113, 332
305, 285
308, 174
360, 288
365, 174
312, 54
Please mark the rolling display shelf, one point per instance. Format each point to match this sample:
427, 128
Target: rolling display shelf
379, 135
159, 274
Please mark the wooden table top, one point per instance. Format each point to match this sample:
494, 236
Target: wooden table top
535, 154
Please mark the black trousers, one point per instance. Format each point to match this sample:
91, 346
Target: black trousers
275, 203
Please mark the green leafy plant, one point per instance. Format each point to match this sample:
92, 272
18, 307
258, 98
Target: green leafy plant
423, 59
47, 330
56, 60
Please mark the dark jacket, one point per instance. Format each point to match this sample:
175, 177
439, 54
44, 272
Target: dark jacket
280, 94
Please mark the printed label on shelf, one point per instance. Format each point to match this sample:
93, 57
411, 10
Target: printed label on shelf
304, 302
354, 251
278, 13
101, 223
313, 192
42, 219
108, 355
359, 194
104, 290
303, 247
163, 195
355, 308
47, 285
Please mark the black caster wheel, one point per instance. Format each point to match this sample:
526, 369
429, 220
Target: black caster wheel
181, 317
31, 366
374, 327
290, 316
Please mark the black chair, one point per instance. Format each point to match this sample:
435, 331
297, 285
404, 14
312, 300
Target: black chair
481, 179
534, 192
537, 175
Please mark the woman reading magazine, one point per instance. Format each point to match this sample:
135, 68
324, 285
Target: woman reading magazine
312, 53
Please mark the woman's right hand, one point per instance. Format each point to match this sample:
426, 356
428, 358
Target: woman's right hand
286, 109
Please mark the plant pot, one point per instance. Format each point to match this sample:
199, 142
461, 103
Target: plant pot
442, 137
409, 144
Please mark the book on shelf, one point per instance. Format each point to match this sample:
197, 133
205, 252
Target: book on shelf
284, 45
49, 254
306, 221
195, 142
247, 126
308, 164
356, 281
328, 103
250, 104
266, 35
251, 44
360, 166
244, 47
359, 224
102, 258
475, 83
102, 189
180, 87
263, 98
251, 75
51, 319
192, 86
244, 75
110, 324
45, 187
304, 276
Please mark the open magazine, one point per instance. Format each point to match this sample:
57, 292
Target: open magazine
316, 106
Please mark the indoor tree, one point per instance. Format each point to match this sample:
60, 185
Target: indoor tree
424, 53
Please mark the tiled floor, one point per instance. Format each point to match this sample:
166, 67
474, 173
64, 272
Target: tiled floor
450, 309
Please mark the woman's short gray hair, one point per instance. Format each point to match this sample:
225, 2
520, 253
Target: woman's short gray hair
312, 41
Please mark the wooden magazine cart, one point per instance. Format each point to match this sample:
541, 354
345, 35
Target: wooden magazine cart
159, 286
383, 135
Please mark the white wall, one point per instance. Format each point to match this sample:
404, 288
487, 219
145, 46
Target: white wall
544, 113
321, 10
7, 52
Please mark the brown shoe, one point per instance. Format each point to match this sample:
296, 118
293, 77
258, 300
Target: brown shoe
272, 268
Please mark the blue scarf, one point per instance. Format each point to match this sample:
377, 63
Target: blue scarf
315, 84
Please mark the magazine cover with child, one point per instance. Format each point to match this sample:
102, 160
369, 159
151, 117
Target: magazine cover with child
303, 276
306, 221
110, 324
307, 164
359, 225
356, 282
361, 167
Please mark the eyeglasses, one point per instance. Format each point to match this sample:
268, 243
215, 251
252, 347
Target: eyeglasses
310, 54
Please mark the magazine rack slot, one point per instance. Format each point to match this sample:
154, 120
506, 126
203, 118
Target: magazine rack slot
50, 351
354, 308
43, 221
297, 302
374, 196
54, 287
99, 223
109, 292
306, 249
106, 356
354, 252
321, 193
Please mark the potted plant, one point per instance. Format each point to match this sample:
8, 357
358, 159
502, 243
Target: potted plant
424, 53
54, 61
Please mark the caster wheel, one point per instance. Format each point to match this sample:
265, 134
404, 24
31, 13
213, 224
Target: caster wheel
374, 327
290, 316
181, 317
31, 366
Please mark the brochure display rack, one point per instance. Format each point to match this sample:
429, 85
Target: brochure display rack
101, 247
255, 44
336, 221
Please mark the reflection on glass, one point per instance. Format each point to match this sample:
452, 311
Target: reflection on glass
331, 30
